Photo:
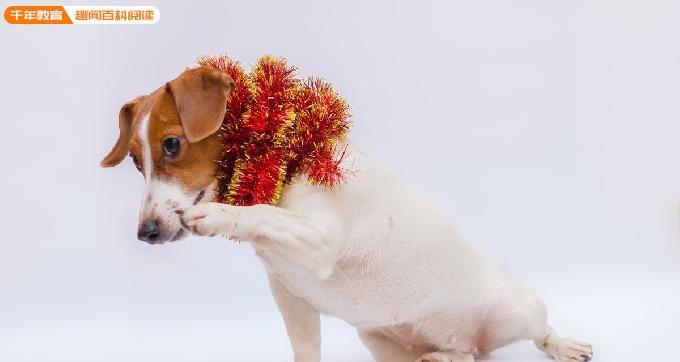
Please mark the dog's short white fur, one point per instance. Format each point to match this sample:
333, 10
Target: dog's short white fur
377, 255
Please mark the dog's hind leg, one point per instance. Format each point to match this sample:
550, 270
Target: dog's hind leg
523, 316
384, 349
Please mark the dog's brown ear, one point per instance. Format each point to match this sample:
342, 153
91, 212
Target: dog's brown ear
200, 98
122, 146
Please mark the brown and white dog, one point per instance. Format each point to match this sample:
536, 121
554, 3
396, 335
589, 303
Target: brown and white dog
371, 252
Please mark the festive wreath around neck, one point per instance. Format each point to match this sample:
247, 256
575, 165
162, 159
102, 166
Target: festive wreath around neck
277, 127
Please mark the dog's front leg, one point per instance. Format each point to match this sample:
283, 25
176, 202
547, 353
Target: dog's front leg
302, 239
302, 323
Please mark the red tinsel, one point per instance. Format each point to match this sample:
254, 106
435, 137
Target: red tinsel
277, 127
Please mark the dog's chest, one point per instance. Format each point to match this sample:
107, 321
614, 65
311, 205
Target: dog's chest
353, 292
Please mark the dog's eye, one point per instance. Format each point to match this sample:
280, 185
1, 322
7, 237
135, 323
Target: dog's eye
171, 146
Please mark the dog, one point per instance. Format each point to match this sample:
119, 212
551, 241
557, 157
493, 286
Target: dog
371, 252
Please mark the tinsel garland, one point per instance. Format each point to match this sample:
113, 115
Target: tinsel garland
276, 127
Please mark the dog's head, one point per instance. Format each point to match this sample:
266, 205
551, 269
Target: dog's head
171, 136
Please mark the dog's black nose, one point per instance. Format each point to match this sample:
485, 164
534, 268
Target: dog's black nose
148, 231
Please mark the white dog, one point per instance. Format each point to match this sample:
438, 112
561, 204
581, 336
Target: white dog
371, 252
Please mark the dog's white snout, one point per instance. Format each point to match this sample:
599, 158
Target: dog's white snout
160, 203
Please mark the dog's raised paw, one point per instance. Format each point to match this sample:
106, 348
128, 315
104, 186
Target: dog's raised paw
206, 219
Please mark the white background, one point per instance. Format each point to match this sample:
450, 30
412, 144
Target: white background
548, 130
